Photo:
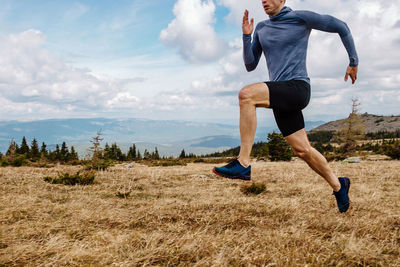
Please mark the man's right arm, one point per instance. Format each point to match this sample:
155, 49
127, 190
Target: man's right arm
251, 51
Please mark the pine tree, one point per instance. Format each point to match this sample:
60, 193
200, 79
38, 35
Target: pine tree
138, 156
57, 153
278, 148
146, 154
155, 154
107, 151
115, 153
43, 150
24, 149
97, 152
73, 155
131, 155
64, 152
34, 151
183, 154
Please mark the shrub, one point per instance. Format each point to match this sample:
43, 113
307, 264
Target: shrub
254, 188
393, 150
72, 179
19, 161
4, 163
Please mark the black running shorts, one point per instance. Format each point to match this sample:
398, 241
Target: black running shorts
287, 99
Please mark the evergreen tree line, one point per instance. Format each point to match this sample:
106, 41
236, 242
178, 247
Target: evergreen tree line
114, 152
183, 155
383, 135
18, 155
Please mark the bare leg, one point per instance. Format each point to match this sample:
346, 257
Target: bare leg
302, 148
250, 97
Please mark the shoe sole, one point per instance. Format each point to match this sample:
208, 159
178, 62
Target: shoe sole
232, 178
348, 189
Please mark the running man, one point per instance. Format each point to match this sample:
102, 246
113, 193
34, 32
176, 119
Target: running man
283, 39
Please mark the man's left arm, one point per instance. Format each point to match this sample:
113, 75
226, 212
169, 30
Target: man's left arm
329, 23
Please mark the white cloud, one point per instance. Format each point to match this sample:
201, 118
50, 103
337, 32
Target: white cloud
124, 100
33, 80
237, 7
332, 99
192, 31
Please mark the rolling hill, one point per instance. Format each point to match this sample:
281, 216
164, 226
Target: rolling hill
373, 123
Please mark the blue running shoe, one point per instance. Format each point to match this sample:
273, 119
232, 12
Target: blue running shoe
342, 196
234, 170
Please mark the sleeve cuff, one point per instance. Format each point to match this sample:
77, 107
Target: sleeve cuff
353, 62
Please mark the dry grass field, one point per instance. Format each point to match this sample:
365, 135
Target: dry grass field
186, 216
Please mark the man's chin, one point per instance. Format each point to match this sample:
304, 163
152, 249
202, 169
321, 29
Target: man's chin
268, 13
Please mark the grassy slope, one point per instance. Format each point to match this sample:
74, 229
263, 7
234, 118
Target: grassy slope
186, 216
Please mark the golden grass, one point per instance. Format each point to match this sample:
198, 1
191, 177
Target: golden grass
184, 215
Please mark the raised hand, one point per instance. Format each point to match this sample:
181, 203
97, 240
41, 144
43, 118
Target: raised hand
246, 26
352, 72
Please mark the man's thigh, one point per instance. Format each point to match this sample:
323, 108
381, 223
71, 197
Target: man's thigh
258, 93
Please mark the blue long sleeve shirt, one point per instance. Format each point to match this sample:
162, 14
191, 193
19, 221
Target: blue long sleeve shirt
284, 40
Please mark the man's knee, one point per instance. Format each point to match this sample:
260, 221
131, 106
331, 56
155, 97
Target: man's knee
303, 152
245, 95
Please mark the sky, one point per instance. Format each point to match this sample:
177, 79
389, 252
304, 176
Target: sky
180, 59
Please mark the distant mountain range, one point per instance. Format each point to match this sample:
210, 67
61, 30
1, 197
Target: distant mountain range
170, 137
372, 123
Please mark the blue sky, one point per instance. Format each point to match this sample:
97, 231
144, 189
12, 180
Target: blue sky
178, 59
98, 29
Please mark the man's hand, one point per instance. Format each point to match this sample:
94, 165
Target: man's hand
352, 71
246, 26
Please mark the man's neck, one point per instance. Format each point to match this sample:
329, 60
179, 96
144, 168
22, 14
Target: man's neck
278, 10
